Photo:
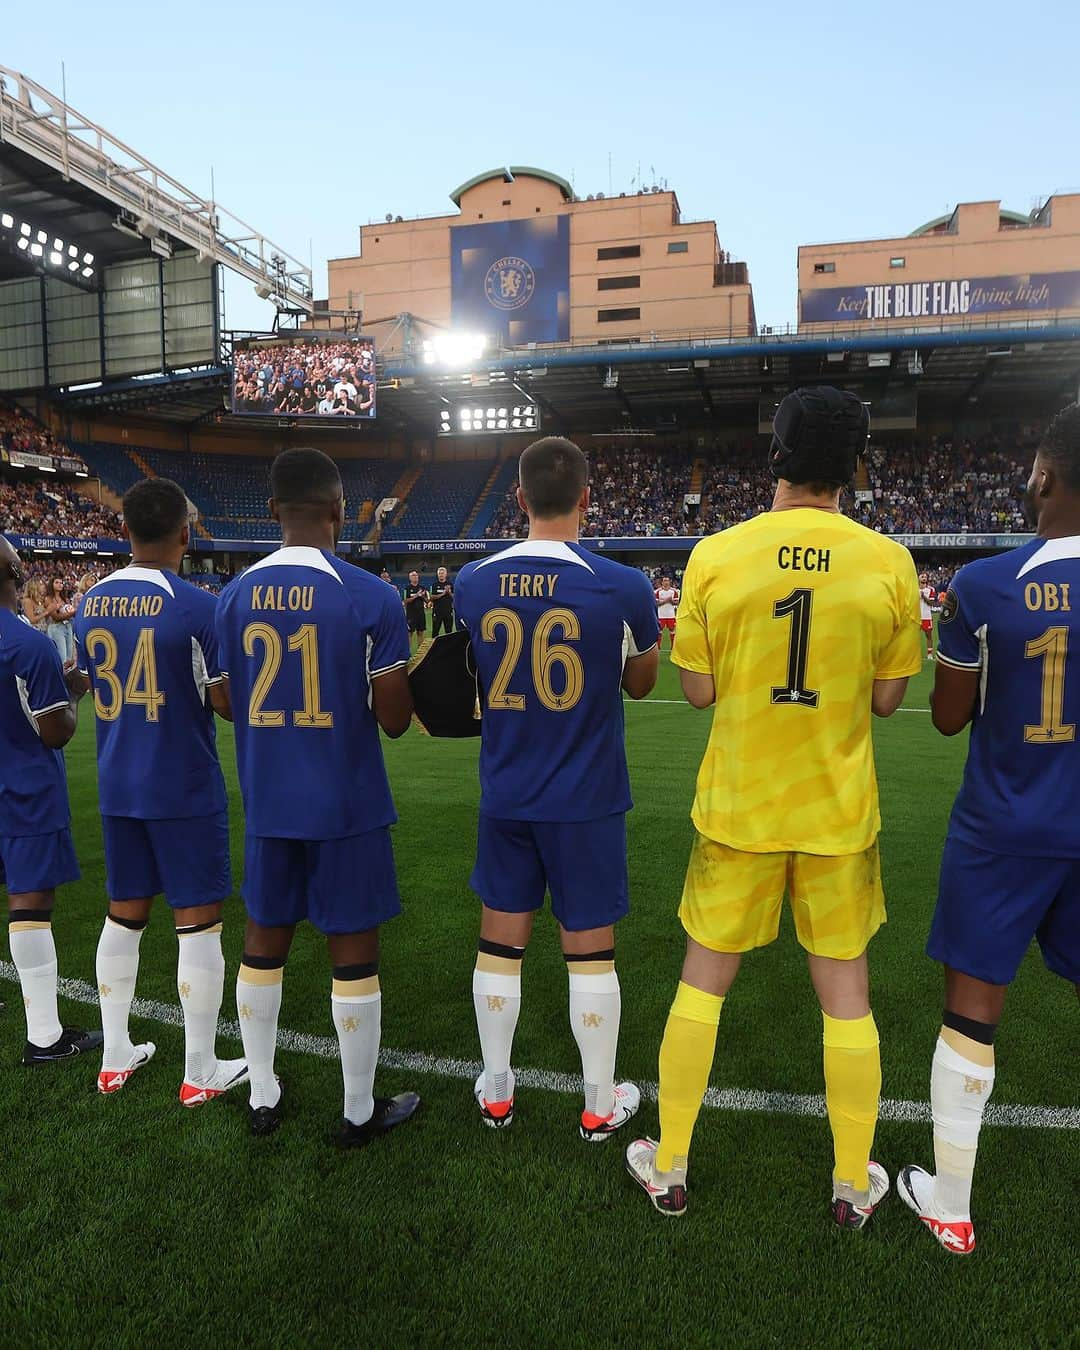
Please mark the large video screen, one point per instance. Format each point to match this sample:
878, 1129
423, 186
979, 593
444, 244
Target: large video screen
304, 375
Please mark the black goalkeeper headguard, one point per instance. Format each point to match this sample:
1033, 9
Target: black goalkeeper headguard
818, 435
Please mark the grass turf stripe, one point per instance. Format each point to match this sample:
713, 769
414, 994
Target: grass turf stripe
718, 1099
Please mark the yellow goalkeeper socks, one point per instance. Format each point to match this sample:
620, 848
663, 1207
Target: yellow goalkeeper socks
686, 1056
852, 1088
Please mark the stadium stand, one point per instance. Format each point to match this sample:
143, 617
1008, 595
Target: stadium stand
53, 508
439, 503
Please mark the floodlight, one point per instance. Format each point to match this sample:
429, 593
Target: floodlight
7, 221
73, 266
23, 243
24, 229
43, 238
88, 258
56, 259
453, 350
58, 245
88, 271
73, 251
36, 250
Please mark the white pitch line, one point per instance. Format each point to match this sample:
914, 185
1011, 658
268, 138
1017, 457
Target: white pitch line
719, 1099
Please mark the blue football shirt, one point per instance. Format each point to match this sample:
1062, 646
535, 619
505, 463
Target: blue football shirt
552, 625
1015, 619
146, 639
302, 635
33, 786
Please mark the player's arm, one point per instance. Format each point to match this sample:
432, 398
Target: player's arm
640, 672
699, 689
692, 653
887, 696
52, 704
207, 636
221, 699
391, 701
952, 699
641, 634
959, 658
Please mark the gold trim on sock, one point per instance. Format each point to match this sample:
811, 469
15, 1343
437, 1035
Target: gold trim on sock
356, 988
203, 932
497, 965
975, 1051
250, 975
590, 967
28, 925
956, 1159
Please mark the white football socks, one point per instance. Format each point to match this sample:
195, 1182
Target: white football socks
33, 952
117, 968
595, 1010
497, 1001
356, 1005
959, 1092
200, 982
258, 1002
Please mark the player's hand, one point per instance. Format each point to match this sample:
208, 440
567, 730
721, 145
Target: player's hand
77, 683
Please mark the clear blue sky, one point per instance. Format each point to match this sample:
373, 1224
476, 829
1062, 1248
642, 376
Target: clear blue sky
785, 122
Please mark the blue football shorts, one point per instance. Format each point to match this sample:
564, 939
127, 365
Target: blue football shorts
186, 860
339, 885
582, 863
37, 862
991, 905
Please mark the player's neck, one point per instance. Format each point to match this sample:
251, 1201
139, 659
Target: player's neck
308, 537
559, 529
789, 496
158, 562
1059, 525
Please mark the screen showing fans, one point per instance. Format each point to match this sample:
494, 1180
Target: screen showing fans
304, 376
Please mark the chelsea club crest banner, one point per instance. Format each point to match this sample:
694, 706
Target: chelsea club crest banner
510, 279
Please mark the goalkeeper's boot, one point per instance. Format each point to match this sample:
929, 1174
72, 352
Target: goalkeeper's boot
72, 1043
666, 1190
496, 1115
849, 1209
916, 1187
229, 1073
112, 1080
597, 1128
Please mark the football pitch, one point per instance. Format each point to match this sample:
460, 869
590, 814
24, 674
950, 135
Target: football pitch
126, 1219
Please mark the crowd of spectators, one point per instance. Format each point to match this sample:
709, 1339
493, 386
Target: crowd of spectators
19, 432
30, 506
944, 486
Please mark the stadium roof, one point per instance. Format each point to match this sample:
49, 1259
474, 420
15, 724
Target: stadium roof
508, 176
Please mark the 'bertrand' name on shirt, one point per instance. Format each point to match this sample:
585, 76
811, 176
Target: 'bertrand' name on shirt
528, 585
122, 606
282, 597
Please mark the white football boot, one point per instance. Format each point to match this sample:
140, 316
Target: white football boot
916, 1187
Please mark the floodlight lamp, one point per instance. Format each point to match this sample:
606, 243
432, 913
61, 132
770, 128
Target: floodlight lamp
58, 245
56, 258
23, 243
73, 266
88, 271
36, 250
88, 258
43, 238
7, 221
453, 350
24, 229
73, 252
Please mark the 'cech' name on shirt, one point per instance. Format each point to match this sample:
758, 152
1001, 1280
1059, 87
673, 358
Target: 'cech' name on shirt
122, 606
282, 597
795, 558
528, 585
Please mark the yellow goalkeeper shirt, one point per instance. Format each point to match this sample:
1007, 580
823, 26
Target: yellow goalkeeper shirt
795, 614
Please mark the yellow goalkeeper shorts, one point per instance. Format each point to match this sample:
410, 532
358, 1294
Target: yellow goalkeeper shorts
731, 900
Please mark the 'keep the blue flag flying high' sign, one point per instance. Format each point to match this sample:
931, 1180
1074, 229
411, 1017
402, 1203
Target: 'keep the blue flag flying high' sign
510, 279
905, 300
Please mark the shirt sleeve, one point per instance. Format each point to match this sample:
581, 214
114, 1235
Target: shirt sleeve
460, 591
903, 656
389, 638
958, 638
219, 637
41, 673
205, 635
642, 625
692, 651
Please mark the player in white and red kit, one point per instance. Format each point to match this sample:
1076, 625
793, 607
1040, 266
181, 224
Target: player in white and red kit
667, 602
926, 598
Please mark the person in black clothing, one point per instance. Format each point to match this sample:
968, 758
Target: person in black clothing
442, 604
416, 598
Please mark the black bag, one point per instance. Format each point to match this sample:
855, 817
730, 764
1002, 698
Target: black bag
445, 687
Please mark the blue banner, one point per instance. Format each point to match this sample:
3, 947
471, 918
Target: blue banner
510, 279
906, 300
53, 543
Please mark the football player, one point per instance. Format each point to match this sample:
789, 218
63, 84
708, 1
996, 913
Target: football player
316, 653
146, 644
38, 715
1010, 871
667, 605
926, 614
558, 633
795, 627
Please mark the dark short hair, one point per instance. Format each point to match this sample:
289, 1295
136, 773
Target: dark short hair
154, 509
553, 473
304, 476
1060, 446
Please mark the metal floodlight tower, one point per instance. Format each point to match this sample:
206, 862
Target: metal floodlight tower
43, 126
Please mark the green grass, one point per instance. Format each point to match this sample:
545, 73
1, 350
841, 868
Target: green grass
125, 1219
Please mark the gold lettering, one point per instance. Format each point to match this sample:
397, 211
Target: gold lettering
294, 597
256, 597
307, 597
1065, 595
1033, 595
512, 585
1050, 596
552, 578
